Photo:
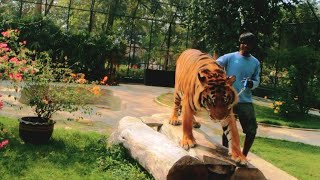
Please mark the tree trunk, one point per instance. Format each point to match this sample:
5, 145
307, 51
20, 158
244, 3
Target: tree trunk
39, 7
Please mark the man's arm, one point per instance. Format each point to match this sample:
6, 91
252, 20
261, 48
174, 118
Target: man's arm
256, 77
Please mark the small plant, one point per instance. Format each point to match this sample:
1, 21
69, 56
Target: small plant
38, 79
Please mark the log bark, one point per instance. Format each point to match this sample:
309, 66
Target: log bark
213, 155
156, 153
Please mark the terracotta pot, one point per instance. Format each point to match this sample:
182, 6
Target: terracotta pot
35, 130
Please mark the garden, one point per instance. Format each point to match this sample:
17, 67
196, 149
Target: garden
61, 56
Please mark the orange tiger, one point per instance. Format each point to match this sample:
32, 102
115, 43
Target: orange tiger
201, 83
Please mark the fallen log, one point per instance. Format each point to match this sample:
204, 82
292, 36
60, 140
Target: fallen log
212, 154
156, 153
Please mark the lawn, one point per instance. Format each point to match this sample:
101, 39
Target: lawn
71, 154
266, 115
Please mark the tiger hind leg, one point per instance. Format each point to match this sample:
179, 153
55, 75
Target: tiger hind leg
230, 129
176, 110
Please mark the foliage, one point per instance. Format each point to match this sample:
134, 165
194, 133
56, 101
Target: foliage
298, 87
217, 25
94, 54
134, 73
71, 154
33, 73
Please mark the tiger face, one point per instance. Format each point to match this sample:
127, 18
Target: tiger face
219, 96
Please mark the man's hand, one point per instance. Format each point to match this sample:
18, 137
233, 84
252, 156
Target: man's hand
247, 82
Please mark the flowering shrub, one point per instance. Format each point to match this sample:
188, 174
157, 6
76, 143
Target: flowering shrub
286, 107
276, 106
37, 78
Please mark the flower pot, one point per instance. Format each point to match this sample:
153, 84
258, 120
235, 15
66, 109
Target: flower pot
35, 130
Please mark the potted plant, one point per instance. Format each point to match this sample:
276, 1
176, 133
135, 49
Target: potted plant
38, 81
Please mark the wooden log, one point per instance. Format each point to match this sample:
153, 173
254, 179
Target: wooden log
155, 152
213, 155
152, 122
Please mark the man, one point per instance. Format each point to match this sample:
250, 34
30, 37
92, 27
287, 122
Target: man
246, 68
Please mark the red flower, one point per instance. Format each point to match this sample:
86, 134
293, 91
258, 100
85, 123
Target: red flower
3, 45
4, 143
14, 60
3, 58
17, 77
6, 33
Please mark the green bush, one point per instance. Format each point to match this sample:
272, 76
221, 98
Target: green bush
92, 54
299, 85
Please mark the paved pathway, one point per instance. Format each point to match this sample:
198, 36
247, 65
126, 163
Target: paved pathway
139, 100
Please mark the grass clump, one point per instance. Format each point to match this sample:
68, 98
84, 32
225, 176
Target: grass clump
70, 154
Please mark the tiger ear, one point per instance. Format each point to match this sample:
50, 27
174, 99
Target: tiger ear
231, 79
202, 73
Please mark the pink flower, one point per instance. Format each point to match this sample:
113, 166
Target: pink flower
6, 33
4, 143
3, 45
17, 77
1, 104
3, 58
14, 60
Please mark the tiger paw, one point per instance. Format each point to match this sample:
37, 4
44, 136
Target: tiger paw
174, 121
240, 160
196, 124
188, 143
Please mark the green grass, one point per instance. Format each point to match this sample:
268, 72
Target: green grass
298, 159
266, 115
70, 154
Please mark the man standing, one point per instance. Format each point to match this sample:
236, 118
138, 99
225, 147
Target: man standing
246, 68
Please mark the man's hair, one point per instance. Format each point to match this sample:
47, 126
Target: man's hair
247, 38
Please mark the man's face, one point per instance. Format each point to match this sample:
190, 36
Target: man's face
246, 47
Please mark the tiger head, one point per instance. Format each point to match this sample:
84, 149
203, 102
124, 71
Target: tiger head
218, 96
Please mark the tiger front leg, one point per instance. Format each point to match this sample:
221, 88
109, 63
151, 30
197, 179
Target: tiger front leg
188, 141
231, 131
176, 110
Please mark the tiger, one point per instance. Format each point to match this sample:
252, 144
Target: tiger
202, 83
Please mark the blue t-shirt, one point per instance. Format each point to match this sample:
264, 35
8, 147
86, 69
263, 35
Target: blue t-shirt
242, 67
